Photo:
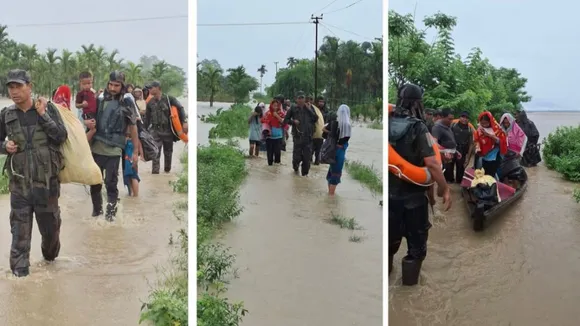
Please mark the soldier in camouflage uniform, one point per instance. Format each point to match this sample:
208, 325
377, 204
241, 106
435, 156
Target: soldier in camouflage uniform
31, 135
158, 122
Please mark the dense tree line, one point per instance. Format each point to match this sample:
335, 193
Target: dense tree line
470, 84
348, 72
53, 67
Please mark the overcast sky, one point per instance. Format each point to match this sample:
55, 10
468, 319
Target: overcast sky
253, 46
535, 37
165, 38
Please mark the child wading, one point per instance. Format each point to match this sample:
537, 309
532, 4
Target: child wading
256, 130
273, 127
130, 174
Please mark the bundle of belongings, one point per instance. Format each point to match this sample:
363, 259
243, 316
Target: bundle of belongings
484, 187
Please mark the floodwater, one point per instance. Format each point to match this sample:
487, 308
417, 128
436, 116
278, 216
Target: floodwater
294, 268
105, 270
522, 270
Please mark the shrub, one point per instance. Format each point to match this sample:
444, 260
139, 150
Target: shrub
221, 170
230, 123
167, 304
562, 152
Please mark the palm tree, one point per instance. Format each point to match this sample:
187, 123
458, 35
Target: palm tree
52, 68
262, 70
212, 80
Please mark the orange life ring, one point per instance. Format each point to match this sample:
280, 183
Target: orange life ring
407, 171
176, 125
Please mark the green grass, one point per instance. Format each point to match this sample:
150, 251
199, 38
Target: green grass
229, 123
376, 125
167, 303
344, 222
365, 175
3, 177
221, 170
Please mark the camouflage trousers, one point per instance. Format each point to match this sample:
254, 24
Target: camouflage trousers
164, 141
21, 217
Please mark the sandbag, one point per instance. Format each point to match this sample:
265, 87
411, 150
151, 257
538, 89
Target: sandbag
79, 166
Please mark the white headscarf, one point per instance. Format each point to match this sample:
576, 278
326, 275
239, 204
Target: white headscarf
343, 117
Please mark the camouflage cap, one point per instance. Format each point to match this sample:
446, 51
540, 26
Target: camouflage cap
300, 94
18, 76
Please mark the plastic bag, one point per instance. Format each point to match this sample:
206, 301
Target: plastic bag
328, 151
150, 149
79, 166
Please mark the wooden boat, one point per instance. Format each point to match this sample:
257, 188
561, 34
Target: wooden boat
514, 184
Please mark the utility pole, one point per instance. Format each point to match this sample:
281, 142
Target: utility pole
276, 63
316, 20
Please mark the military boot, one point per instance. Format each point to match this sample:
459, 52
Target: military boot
111, 211
97, 204
411, 269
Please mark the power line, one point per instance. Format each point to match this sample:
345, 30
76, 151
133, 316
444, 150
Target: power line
347, 31
99, 21
252, 24
328, 5
337, 10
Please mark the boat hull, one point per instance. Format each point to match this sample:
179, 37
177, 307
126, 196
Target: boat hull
481, 213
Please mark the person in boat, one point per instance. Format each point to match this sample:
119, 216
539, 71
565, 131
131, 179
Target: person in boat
531, 156
442, 132
490, 143
409, 202
303, 121
516, 137
463, 133
340, 130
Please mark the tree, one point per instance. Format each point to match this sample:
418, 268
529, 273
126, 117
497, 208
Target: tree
348, 72
240, 84
51, 68
262, 70
472, 84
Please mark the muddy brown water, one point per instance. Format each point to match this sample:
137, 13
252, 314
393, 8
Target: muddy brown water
294, 268
105, 270
522, 270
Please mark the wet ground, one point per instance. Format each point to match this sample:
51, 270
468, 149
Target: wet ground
522, 270
105, 270
294, 267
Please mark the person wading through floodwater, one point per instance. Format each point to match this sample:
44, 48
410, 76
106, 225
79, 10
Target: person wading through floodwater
340, 130
158, 122
115, 121
318, 139
445, 137
464, 138
303, 120
531, 155
31, 135
408, 202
